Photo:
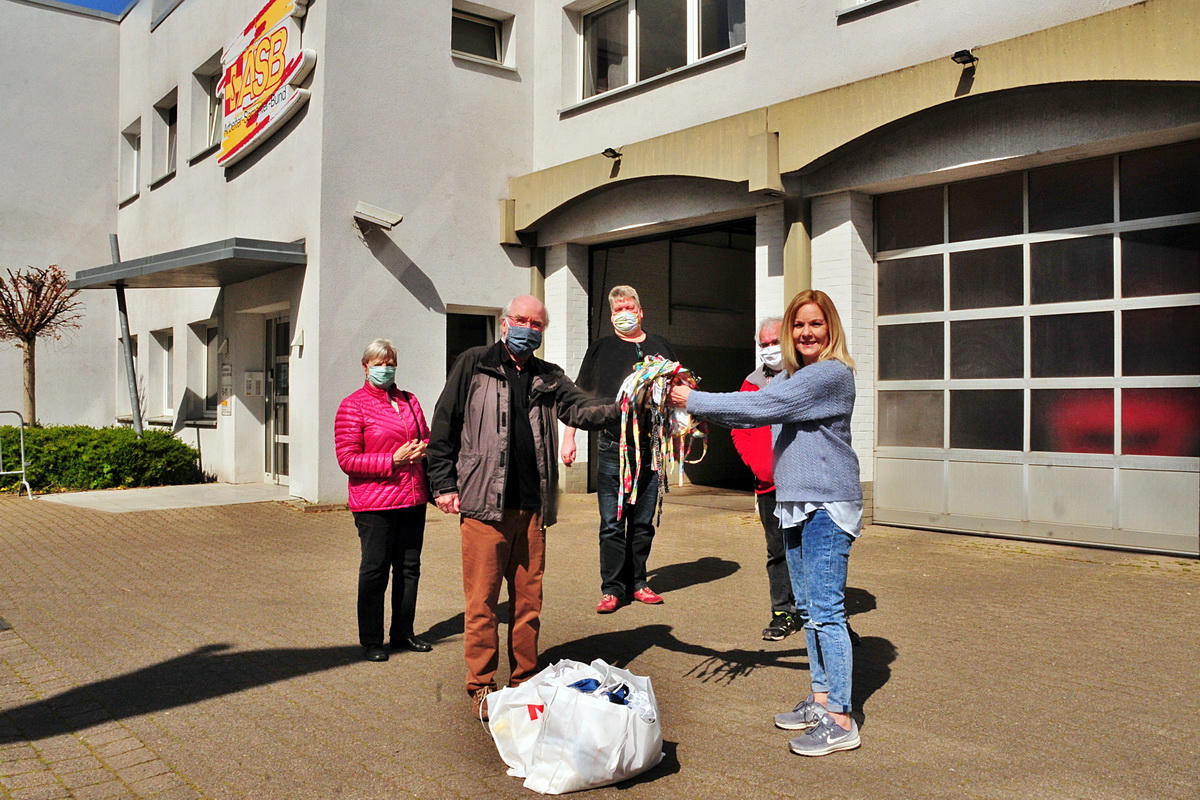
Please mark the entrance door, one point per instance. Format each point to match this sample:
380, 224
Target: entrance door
278, 347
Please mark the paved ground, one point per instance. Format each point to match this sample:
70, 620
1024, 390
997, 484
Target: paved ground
210, 652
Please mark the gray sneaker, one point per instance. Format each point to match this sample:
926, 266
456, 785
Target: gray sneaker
828, 737
805, 716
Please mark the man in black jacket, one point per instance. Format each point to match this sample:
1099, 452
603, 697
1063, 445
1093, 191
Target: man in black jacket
492, 459
625, 542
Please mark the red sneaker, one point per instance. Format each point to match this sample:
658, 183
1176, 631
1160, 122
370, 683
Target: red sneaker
608, 604
647, 595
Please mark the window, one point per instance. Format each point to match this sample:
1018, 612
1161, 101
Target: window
168, 351
212, 370
166, 135
635, 40
130, 161
160, 371
474, 35
206, 122
468, 328
1049, 311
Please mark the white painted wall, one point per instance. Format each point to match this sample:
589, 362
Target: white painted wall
792, 49
58, 79
414, 130
272, 194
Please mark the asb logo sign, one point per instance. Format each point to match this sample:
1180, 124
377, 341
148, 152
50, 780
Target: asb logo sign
260, 83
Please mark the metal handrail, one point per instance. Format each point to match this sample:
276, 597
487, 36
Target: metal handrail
21, 471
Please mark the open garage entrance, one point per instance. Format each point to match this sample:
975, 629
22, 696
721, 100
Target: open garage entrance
697, 290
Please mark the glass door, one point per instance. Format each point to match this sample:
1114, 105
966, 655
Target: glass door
278, 348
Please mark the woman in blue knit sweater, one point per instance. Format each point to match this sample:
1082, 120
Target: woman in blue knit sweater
819, 501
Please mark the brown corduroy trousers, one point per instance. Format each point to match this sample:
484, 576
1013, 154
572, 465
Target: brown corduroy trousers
513, 550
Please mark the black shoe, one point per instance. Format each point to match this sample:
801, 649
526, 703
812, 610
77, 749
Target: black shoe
411, 643
782, 623
375, 652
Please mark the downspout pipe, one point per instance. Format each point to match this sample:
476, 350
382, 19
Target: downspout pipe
126, 342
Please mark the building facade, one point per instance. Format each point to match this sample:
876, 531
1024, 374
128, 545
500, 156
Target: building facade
1004, 202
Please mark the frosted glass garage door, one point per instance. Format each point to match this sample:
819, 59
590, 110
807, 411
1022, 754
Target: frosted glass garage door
1039, 353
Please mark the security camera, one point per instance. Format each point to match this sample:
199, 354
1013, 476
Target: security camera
374, 215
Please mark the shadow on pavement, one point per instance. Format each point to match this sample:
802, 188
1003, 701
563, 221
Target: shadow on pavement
453, 626
202, 674
673, 577
721, 666
872, 667
668, 766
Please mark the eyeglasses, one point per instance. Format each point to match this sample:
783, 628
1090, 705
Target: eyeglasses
527, 322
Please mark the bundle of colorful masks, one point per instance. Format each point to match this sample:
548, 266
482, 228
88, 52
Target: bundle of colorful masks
672, 432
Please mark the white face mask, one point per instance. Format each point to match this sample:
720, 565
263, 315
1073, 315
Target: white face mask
771, 357
625, 321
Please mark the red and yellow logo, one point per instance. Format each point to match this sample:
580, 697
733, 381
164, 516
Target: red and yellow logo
263, 69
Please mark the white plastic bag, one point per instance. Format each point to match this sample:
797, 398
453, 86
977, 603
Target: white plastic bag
515, 714
562, 740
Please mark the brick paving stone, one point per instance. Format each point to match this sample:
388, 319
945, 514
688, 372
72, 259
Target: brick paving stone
152, 787
87, 777
129, 758
17, 751
74, 764
102, 791
118, 746
47, 792
28, 779
139, 772
20, 767
104, 737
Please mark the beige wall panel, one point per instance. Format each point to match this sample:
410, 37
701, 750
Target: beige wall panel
985, 490
908, 485
1153, 41
1166, 502
1078, 495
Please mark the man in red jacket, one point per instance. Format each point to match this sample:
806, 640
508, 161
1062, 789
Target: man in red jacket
754, 446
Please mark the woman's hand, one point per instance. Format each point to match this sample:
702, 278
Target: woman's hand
679, 395
409, 453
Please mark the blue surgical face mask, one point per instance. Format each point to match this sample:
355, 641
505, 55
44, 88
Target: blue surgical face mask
381, 377
522, 341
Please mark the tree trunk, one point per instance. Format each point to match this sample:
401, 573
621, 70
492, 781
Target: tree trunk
30, 383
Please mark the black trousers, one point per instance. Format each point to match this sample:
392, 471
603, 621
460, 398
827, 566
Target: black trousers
391, 543
778, 578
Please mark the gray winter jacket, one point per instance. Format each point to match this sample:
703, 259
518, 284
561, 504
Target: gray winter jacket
468, 440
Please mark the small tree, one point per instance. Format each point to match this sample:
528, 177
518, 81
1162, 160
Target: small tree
35, 302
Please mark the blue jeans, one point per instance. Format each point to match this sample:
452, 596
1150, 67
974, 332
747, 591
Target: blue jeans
624, 543
818, 553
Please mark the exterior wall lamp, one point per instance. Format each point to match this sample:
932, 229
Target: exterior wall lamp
964, 57
610, 152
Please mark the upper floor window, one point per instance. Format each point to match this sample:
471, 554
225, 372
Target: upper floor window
634, 40
166, 135
206, 117
473, 35
130, 163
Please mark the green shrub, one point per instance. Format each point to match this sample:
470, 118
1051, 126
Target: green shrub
78, 457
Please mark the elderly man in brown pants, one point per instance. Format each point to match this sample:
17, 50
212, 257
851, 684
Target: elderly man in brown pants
492, 458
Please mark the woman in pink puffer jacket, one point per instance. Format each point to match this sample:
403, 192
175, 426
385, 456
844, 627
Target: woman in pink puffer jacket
380, 436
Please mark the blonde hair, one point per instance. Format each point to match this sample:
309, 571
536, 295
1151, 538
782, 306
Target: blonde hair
621, 293
835, 348
381, 349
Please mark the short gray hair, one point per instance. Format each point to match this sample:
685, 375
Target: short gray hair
545, 311
623, 292
381, 349
765, 322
